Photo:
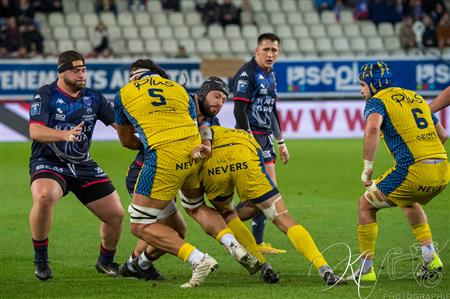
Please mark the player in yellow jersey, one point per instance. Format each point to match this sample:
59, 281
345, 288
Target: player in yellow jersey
237, 163
165, 118
142, 72
415, 139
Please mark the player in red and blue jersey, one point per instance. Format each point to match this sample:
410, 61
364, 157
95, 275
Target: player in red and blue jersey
255, 95
63, 115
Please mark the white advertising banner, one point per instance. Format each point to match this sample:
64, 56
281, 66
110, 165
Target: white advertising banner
298, 120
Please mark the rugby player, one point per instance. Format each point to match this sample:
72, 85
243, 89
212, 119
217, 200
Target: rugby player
415, 139
62, 120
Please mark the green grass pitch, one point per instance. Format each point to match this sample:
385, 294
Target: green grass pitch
320, 185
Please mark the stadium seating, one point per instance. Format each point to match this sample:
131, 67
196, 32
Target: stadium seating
304, 32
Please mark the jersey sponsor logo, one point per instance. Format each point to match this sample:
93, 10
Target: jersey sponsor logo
185, 165
431, 188
37, 97
60, 117
87, 101
59, 101
243, 74
263, 91
261, 77
227, 168
55, 168
242, 86
35, 109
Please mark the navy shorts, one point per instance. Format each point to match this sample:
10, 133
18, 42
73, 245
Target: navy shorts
132, 175
266, 144
86, 180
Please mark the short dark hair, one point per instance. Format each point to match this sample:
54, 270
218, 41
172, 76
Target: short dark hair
150, 65
270, 36
66, 59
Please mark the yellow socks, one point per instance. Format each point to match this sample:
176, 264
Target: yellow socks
367, 236
185, 251
223, 232
422, 232
304, 244
245, 237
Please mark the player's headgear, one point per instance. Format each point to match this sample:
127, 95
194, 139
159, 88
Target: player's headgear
69, 60
142, 66
377, 75
210, 84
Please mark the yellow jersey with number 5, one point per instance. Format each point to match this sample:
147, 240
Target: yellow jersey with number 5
408, 125
160, 109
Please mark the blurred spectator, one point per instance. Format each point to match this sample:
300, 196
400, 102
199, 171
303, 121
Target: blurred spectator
338, 7
402, 8
25, 11
407, 35
8, 8
361, 10
416, 9
228, 13
106, 6
443, 31
322, 5
32, 39
4, 53
48, 6
383, 11
22, 52
429, 37
11, 33
181, 52
171, 5
437, 13
210, 12
99, 39
246, 13
137, 5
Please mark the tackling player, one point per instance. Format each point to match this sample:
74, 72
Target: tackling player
62, 120
237, 162
255, 95
415, 139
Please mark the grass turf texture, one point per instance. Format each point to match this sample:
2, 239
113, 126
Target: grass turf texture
320, 185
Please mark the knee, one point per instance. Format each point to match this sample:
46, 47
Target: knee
45, 198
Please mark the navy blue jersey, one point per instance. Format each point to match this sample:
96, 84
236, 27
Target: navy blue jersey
55, 109
258, 88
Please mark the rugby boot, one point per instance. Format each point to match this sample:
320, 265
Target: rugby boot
200, 271
148, 274
42, 270
331, 279
369, 276
268, 249
125, 271
268, 275
108, 269
429, 270
245, 258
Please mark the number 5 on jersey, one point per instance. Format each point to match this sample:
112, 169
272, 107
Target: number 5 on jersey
153, 92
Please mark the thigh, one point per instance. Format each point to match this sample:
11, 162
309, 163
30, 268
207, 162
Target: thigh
107, 207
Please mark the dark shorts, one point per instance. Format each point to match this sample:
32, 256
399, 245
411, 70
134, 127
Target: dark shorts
132, 175
87, 180
266, 144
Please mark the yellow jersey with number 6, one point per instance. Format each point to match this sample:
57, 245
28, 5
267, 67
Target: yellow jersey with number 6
160, 109
408, 125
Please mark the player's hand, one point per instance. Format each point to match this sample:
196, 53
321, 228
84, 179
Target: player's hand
284, 153
71, 135
200, 152
366, 175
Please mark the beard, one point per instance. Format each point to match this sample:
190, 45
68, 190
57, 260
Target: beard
206, 110
75, 85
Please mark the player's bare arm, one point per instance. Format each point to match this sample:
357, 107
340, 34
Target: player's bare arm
43, 134
441, 101
441, 132
127, 137
371, 141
